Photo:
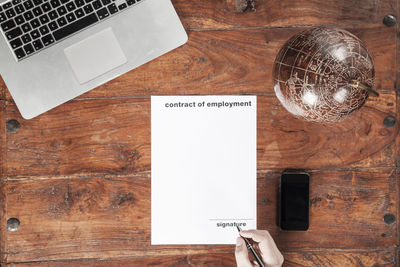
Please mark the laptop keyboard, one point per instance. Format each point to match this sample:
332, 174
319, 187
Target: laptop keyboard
30, 26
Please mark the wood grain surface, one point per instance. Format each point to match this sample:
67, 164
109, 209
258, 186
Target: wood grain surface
119, 142
235, 62
109, 216
295, 259
78, 177
204, 14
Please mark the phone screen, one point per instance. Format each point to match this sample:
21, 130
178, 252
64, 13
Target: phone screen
294, 201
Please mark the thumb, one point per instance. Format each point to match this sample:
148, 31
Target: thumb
241, 254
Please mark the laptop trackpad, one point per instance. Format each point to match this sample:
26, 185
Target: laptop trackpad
95, 55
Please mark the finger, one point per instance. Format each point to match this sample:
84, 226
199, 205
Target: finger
241, 254
269, 251
256, 235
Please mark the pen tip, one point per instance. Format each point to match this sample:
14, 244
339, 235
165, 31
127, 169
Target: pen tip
238, 228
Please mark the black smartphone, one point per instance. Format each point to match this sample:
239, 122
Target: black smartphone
294, 201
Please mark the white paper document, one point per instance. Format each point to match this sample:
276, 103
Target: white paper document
203, 168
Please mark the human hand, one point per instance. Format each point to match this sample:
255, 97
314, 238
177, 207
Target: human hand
270, 254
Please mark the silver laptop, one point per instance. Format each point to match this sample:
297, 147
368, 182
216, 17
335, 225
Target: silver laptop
54, 50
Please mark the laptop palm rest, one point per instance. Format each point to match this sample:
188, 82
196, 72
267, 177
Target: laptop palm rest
95, 55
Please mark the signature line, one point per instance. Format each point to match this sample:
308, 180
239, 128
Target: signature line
231, 219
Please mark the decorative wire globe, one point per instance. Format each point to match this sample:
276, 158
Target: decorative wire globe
323, 74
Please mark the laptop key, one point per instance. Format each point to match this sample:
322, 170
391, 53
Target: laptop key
19, 53
16, 43
130, 2
37, 2
29, 49
62, 22
26, 38
53, 26
122, 6
28, 4
35, 34
44, 19
26, 27
13, 33
64, 1
46, 7
28, 15
55, 3
61, 10
112, 8
106, 2
47, 40
75, 26
44, 30
37, 44
10, 13
2, 17
53, 15
71, 6
19, 9
7, 5
37, 11
97, 4
88, 8
103, 13
79, 13
79, 3
19, 19
70, 17
8, 25
35, 23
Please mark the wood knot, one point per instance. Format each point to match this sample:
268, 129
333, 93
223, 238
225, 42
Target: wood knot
240, 6
121, 198
315, 200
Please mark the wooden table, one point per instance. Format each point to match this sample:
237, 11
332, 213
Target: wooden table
78, 177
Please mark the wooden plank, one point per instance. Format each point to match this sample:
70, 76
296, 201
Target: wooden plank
113, 136
333, 259
397, 143
398, 213
347, 210
314, 259
205, 14
3, 150
3, 221
3, 172
210, 259
385, 156
109, 217
72, 139
3, 89
284, 142
234, 62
